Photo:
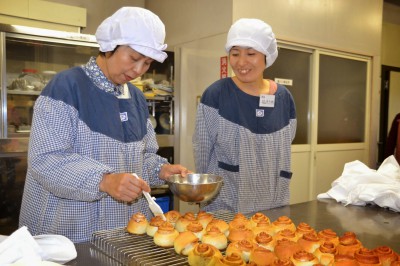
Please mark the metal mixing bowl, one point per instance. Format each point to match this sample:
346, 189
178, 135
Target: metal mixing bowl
195, 187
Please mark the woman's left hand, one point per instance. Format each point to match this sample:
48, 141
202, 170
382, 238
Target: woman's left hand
171, 169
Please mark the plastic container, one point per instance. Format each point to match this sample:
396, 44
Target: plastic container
164, 203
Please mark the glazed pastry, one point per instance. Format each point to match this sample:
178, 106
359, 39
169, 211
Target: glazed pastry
153, 225
263, 226
257, 217
231, 260
280, 262
285, 248
204, 218
386, 255
304, 258
367, 257
242, 247
348, 244
196, 228
286, 233
185, 242
137, 224
221, 224
344, 260
304, 228
283, 222
262, 256
239, 219
325, 253
240, 232
309, 242
203, 254
172, 216
329, 235
265, 240
215, 237
183, 221
165, 235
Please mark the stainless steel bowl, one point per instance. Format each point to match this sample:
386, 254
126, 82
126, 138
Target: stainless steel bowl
195, 187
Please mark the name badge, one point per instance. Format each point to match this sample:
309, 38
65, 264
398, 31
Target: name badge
267, 100
259, 113
123, 116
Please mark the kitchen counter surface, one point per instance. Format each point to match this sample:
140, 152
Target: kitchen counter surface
374, 226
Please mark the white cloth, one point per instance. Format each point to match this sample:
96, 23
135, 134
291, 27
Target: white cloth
21, 248
137, 27
254, 33
360, 185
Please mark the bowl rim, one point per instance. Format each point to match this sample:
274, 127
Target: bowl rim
220, 179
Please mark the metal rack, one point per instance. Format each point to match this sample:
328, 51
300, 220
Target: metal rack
129, 249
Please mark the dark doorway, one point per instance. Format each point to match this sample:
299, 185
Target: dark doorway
384, 110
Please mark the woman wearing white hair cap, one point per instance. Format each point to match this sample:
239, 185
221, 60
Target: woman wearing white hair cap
245, 125
91, 131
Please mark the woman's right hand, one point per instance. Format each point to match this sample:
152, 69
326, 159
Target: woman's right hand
123, 186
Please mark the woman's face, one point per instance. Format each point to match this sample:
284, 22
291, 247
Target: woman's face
125, 64
247, 64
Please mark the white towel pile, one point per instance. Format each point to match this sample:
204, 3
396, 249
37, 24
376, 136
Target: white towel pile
360, 185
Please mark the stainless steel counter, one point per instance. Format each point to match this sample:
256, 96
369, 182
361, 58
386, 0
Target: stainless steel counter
374, 226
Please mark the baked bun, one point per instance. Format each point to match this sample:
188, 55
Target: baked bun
137, 224
265, 240
215, 237
325, 253
283, 222
185, 242
165, 235
231, 260
367, 257
286, 262
257, 217
386, 255
153, 225
285, 248
286, 233
348, 244
309, 242
329, 235
203, 254
242, 247
263, 226
344, 260
304, 258
240, 232
238, 220
183, 221
221, 224
172, 216
204, 218
262, 256
304, 228
196, 228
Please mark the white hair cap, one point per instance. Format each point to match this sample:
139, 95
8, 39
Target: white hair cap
253, 33
137, 27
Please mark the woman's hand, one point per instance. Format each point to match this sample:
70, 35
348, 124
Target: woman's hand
123, 186
171, 169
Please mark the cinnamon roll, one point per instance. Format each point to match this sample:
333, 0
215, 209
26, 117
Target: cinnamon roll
233, 259
303, 258
153, 225
221, 224
285, 248
242, 247
165, 235
262, 256
344, 260
265, 240
172, 216
203, 254
240, 232
304, 228
329, 235
367, 257
348, 244
183, 221
283, 222
215, 237
196, 228
185, 242
286, 233
386, 255
204, 218
325, 253
137, 224
258, 217
309, 242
